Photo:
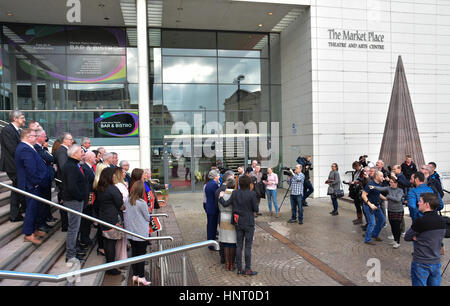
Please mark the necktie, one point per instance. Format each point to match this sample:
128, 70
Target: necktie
81, 168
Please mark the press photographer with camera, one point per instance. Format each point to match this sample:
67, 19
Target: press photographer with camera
308, 188
355, 190
296, 181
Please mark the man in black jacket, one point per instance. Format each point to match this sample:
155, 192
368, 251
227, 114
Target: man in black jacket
75, 190
9, 139
408, 167
88, 207
60, 159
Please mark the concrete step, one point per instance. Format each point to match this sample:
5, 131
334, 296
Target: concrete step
61, 267
40, 260
5, 195
16, 251
10, 230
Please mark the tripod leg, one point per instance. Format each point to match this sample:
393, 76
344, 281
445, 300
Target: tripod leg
287, 191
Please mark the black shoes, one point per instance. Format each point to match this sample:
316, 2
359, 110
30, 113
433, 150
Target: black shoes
113, 272
300, 222
291, 221
334, 213
18, 219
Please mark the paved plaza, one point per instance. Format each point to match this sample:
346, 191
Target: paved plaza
325, 251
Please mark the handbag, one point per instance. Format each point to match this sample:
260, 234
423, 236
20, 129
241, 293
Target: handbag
113, 234
339, 193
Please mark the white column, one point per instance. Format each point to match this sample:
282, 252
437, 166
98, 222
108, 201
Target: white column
144, 113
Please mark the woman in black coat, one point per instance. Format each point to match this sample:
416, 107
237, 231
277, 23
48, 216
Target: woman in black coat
109, 202
245, 205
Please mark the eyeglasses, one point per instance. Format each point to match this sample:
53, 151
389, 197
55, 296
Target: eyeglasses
33, 135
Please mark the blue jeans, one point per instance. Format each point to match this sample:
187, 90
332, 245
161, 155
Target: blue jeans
335, 203
272, 195
425, 274
307, 189
296, 204
375, 222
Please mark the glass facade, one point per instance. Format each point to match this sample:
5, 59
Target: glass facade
71, 77
206, 77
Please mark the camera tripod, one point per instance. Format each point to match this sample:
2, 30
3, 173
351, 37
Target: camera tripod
285, 195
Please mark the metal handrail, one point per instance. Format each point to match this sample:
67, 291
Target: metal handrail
45, 201
116, 264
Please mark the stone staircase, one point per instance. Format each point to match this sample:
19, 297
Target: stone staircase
48, 258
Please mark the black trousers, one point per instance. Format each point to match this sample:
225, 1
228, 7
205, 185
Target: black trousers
64, 218
358, 204
85, 225
395, 220
17, 201
109, 246
244, 234
138, 248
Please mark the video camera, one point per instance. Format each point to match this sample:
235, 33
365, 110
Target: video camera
286, 170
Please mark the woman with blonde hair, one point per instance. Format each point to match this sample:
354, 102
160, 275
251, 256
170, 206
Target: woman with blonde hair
137, 221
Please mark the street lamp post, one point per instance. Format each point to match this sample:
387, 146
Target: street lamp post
237, 81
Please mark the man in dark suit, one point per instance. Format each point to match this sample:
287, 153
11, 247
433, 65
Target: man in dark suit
75, 191
46, 193
9, 139
32, 176
61, 158
88, 208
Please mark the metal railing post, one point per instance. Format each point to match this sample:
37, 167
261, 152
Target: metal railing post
183, 258
161, 265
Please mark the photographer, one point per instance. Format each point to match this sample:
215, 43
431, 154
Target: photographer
297, 180
307, 186
363, 161
355, 190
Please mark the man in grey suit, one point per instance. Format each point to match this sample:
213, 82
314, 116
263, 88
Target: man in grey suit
9, 139
60, 159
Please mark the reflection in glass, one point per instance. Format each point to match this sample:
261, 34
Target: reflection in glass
251, 69
39, 67
132, 65
241, 41
248, 97
189, 52
96, 96
79, 124
188, 39
190, 96
189, 70
155, 65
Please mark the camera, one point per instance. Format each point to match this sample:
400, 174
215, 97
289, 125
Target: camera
286, 170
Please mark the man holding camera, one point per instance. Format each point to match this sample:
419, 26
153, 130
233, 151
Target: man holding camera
297, 180
308, 188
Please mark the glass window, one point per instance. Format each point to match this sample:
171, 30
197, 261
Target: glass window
39, 67
96, 40
247, 98
254, 42
35, 39
96, 69
190, 96
155, 65
189, 39
254, 71
189, 52
189, 70
132, 65
96, 96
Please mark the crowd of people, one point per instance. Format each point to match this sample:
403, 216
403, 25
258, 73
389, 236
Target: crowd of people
92, 182
95, 183
381, 194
